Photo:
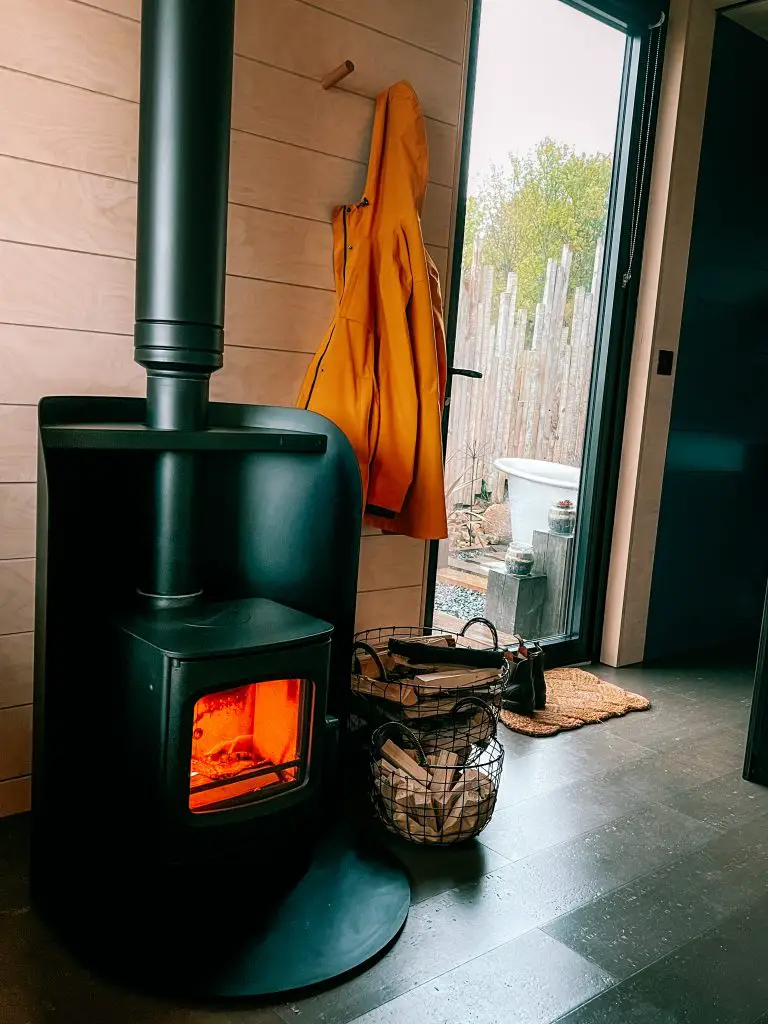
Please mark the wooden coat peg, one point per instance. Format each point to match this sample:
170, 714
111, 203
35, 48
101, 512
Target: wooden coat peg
337, 75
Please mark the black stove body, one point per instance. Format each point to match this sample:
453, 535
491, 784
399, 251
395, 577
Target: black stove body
197, 572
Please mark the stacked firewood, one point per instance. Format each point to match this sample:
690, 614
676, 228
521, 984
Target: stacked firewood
432, 700
423, 681
439, 802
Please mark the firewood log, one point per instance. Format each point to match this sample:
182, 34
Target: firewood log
392, 753
454, 678
396, 693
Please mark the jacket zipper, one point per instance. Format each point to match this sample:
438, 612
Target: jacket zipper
343, 285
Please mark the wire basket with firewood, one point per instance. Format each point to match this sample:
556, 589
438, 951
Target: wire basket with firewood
440, 798
417, 676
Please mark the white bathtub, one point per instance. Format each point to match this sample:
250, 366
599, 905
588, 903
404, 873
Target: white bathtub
533, 486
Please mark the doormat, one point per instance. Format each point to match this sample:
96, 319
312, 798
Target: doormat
575, 698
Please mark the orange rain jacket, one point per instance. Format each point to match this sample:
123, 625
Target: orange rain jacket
379, 373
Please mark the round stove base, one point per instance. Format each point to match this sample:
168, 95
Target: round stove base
348, 907
236, 933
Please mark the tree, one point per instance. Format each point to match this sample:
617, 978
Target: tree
526, 211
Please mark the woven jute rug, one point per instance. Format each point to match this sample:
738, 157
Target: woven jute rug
575, 698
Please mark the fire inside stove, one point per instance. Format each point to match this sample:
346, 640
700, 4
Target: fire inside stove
246, 743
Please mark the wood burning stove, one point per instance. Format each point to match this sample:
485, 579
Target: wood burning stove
197, 568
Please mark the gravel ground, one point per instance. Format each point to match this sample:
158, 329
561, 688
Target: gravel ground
459, 601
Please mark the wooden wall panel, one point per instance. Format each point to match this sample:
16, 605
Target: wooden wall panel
17, 520
16, 669
69, 42
68, 127
127, 8
36, 361
399, 607
418, 23
66, 209
390, 562
58, 288
265, 314
318, 42
276, 176
68, 166
299, 251
17, 595
277, 104
15, 796
15, 741
259, 377
18, 444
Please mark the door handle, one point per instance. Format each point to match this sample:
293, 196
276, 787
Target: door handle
456, 371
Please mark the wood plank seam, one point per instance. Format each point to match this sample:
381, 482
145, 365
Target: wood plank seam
130, 259
309, 78
65, 248
235, 131
69, 85
379, 31
272, 280
104, 10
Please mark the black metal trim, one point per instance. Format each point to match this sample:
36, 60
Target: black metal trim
453, 297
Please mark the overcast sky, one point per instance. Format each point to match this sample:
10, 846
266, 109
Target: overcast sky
543, 69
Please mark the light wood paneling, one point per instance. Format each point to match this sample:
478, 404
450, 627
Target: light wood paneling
36, 361
57, 288
17, 520
299, 251
18, 444
439, 29
389, 562
15, 796
127, 8
279, 105
67, 209
262, 314
69, 127
255, 376
274, 176
15, 741
17, 595
291, 35
69, 42
400, 607
16, 652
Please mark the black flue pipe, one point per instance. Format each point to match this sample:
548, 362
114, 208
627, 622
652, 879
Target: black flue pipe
184, 124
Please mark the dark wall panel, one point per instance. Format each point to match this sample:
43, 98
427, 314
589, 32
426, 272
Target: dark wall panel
711, 559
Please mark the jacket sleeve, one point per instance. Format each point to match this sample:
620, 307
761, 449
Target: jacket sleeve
396, 399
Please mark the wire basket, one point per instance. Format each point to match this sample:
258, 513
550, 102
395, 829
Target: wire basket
387, 690
435, 799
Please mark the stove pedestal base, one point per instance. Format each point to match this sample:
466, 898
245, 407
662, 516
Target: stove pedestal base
234, 938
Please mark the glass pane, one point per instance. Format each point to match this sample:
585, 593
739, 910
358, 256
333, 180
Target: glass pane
246, 742
543, 131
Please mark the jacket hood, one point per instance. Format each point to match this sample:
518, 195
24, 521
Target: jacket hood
398, 166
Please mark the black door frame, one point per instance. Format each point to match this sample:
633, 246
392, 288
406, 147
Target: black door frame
644, 22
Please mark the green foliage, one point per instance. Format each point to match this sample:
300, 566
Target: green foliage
526, 211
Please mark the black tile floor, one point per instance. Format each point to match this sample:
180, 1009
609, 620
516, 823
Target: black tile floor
622, 879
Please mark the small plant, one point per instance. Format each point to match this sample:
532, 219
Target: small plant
562, 517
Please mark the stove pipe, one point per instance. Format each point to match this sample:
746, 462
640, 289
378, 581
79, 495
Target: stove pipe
184, 124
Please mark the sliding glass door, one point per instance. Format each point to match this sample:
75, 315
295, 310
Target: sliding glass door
554, 182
